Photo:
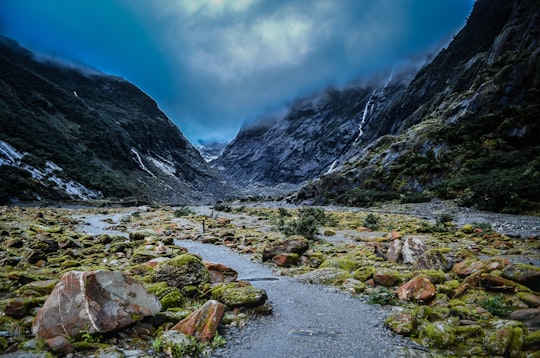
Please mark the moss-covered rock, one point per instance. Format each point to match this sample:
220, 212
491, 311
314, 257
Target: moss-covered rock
437, 335
403, 323
341, 263
325, 276
181, 271
364, 273
234, 295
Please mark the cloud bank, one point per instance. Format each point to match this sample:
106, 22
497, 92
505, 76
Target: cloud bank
213, 64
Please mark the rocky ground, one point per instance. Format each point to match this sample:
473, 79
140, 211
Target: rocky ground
453, 281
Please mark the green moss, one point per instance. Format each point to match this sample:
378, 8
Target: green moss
437, 335
341, 263
172, 299
434, 276
234, 295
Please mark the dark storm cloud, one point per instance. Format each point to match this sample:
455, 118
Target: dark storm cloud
212, 64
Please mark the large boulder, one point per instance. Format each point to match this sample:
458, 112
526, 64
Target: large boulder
294, 244
183, 270
94, 301
202, 323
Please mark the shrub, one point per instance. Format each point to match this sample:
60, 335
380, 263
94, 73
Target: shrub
371, 222
183, 211
306, 224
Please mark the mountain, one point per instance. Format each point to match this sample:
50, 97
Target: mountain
70, 133
466, 127
306, 141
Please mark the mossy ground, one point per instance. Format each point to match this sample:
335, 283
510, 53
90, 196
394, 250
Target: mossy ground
352, 249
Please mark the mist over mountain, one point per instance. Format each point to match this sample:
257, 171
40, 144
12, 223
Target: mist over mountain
465, 127
67, 127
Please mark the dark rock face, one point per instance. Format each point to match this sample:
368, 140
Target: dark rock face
306, 142
107, 137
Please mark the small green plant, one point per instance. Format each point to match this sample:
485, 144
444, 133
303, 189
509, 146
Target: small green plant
371, 222
88, 337
445, 218
383, 296
157, 345
218, 341
183, 211
495, 305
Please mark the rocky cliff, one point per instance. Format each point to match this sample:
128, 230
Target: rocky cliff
466, 127
72, 133
309, 139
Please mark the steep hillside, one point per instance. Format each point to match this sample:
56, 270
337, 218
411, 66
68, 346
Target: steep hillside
466, 127
63, 127
307, 141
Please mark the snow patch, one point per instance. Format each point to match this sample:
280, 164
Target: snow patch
12, 157
163, 164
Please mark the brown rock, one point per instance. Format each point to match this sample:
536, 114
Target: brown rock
529, 316
286, 259
60, 344
527, 275
16, 308
220, 273
202, 323
419, 288
471, 266
387, 278
294, 244
394, 251
496, 283
530, 299
98, 301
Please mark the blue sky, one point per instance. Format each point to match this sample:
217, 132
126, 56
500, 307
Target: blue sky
213, 64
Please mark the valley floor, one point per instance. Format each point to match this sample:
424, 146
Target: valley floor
320, 296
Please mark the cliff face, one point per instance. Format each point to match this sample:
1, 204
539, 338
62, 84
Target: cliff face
97, 132
467, 125
310, 139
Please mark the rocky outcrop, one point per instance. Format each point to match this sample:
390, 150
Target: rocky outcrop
93, 302
310, 139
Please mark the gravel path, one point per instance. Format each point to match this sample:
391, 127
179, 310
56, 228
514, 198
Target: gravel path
308, 320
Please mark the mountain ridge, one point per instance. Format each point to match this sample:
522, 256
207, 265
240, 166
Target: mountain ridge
103, 132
